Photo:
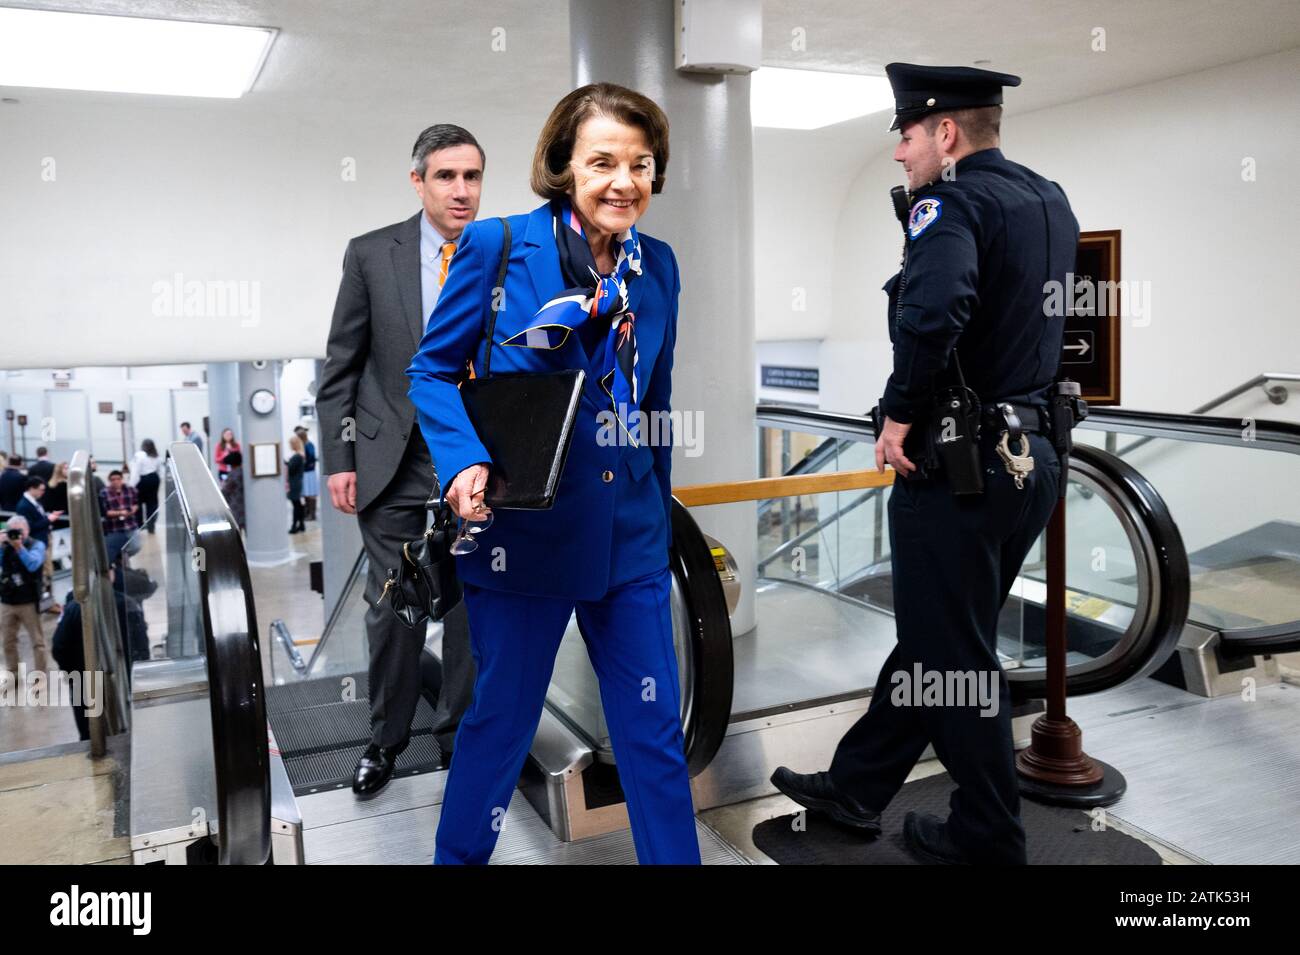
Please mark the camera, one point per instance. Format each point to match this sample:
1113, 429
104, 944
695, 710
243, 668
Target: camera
14, 534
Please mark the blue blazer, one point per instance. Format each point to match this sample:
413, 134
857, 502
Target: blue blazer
599, 533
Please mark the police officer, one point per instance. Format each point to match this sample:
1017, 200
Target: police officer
976, 353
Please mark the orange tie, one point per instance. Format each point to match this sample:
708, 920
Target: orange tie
448, 250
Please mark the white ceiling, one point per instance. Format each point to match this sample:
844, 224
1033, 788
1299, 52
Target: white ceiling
333, 55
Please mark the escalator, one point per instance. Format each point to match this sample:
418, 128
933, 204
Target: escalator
783, 692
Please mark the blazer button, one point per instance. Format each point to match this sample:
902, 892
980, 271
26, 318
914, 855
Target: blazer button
607, 476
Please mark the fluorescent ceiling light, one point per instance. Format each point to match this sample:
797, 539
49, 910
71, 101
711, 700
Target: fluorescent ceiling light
811, 99
78, 51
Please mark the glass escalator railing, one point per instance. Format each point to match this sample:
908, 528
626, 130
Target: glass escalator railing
1124, 568
1231, 485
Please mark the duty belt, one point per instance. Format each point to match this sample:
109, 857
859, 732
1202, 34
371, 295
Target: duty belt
1022, 418
1011, 422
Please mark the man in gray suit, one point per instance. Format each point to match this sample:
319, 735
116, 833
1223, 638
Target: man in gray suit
379, 467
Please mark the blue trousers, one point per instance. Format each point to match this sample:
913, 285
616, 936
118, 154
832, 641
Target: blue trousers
515, 638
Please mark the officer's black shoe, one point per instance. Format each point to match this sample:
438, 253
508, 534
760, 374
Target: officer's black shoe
926, 835
817, 792
375, 768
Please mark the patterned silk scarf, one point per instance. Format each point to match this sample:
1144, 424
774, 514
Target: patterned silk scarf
590, 296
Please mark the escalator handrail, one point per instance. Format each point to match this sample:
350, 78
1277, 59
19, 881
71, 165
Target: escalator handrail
1207, 429
708, 712
1164, 598
1164, 591
1271, 435
1267, 639
102, 644
237, 697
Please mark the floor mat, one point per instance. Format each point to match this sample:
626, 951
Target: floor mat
1054, 835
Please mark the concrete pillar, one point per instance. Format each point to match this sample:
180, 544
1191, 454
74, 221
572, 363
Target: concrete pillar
223, 406
266, 509
706, 213
340, 535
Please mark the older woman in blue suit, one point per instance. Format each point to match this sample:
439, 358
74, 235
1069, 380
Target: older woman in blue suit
583, 289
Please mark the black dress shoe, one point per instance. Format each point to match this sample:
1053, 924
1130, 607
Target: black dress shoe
926, 835
375, 768
815, 791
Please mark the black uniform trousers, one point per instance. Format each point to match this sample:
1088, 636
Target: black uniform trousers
396, 516
954, 562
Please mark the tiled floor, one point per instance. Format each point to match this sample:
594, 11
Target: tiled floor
64, 808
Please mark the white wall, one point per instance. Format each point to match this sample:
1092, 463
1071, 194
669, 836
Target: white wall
224, 192
149, 395
1162, 163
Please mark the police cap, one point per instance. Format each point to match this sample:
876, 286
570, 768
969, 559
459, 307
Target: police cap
919, 90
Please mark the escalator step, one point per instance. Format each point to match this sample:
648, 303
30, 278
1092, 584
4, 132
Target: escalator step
316, 729
333, 769
319, 692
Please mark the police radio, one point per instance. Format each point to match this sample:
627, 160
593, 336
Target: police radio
902, 205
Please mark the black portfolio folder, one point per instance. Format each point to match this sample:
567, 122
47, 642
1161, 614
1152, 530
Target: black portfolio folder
526, 423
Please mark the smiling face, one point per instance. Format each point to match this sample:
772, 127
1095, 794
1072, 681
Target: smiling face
450, 189
919, 150
613, 174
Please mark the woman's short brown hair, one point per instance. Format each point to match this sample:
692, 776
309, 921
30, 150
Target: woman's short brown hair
552, 178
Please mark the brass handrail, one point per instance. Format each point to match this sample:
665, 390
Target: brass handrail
729, 492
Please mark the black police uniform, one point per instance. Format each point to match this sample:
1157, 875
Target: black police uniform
978, 253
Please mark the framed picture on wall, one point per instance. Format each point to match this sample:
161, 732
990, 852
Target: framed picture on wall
1090, 349
266, 459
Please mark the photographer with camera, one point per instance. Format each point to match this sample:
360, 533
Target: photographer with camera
22, 560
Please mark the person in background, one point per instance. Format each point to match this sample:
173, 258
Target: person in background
13, 482
68, 648
192, 436
310, 476
232, 488
22, 563
224, 447
56, 493
29, 507
293, 483
379, 466
42, 467
145, 478
118, 506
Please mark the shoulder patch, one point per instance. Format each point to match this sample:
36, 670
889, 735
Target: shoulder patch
924, 214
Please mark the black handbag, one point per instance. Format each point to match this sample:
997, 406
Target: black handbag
525, 421
425, 586
526, 424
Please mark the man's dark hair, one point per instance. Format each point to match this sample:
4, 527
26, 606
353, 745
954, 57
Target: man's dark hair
113, 474
441, 136
982, 125
42, 451
15, 460
186, 424
34, 482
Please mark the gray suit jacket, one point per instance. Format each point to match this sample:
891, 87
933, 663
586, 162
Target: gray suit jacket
377, 326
